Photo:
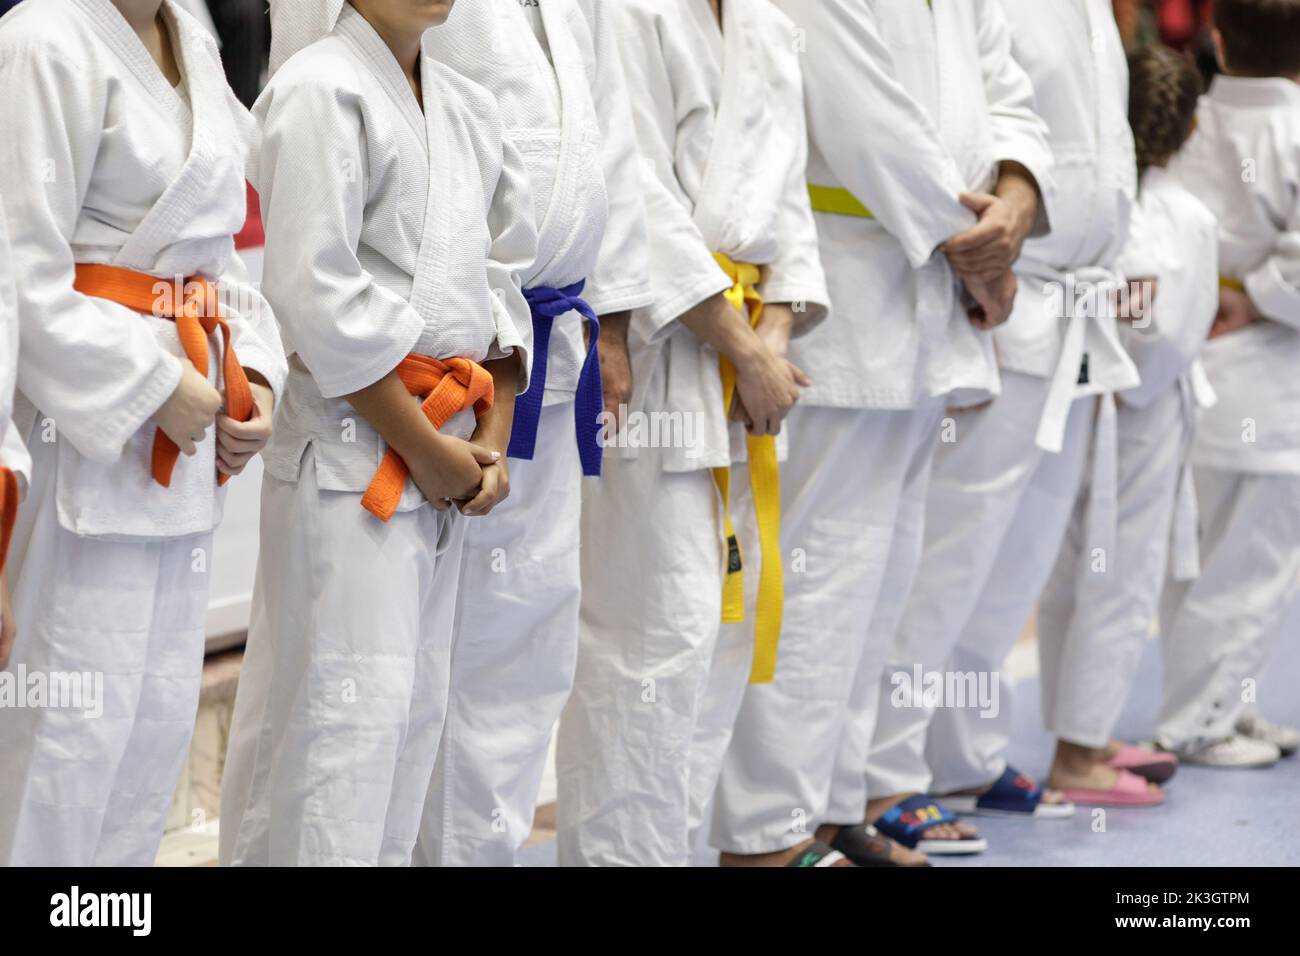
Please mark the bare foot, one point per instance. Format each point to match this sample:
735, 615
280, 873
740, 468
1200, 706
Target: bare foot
898, 854
944, 831
1084, 768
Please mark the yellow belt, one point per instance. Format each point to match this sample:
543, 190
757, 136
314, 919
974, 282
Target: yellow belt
1226, 283
837, 201
765, 484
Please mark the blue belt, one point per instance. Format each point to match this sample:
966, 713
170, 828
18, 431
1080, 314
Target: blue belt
546, 304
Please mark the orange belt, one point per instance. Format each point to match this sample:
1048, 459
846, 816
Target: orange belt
197, 315
8, 511
447, 386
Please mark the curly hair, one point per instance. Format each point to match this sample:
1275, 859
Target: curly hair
1164, 86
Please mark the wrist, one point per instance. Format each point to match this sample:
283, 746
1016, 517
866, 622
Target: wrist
493, 432
736, 338
778, 318
745, 348
1018, 188
614, 327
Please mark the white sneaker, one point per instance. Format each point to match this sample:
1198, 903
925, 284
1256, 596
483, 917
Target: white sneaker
1286, 739
1237, 752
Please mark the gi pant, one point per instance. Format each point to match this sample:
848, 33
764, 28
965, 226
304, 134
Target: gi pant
92, 784
513, 657
653, 559
851, 493
343, 691
1098, 610
1218, 630
995, 515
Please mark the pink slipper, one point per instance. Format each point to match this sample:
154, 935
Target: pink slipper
1156, 765
1130, 790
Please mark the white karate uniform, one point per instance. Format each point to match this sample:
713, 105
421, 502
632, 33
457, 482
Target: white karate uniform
103, 161
198, 9
564, 105
725, 153
13, 450
1002, 492
1098, 609
416, 248
905, 138
1243, 162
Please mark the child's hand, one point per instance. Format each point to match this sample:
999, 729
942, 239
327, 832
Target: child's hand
8, 627
493, 490
492, 437
1236, 311
191, 408
992, 301
238, 442
449, 469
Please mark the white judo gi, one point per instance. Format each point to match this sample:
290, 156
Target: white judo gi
15, 462
898, 346
389, 231
561, 93
1002, 492
199, 10
725, 151
102, 161
1243, 162
1098, 610
13, 450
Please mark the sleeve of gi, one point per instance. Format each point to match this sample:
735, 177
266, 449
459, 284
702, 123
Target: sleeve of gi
514, 247
879, 142
620, 280
91, 365
1020, 134
312, 176
683, 272
796, 275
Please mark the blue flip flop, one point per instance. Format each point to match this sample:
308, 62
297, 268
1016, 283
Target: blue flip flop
1013, 795
908, 820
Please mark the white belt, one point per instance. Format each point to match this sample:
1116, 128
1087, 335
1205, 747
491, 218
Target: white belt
1081, 329
1196, 393
1103, 498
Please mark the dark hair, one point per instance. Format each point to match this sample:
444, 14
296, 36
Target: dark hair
1260, 37
1164, 86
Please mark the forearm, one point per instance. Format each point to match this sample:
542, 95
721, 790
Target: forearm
776, 326
389, 408
715, 322
615, 326
1017, 186
494, 427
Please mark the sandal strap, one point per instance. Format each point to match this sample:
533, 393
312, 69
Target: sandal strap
1013, 792
864, 845
908, 819
819, 854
